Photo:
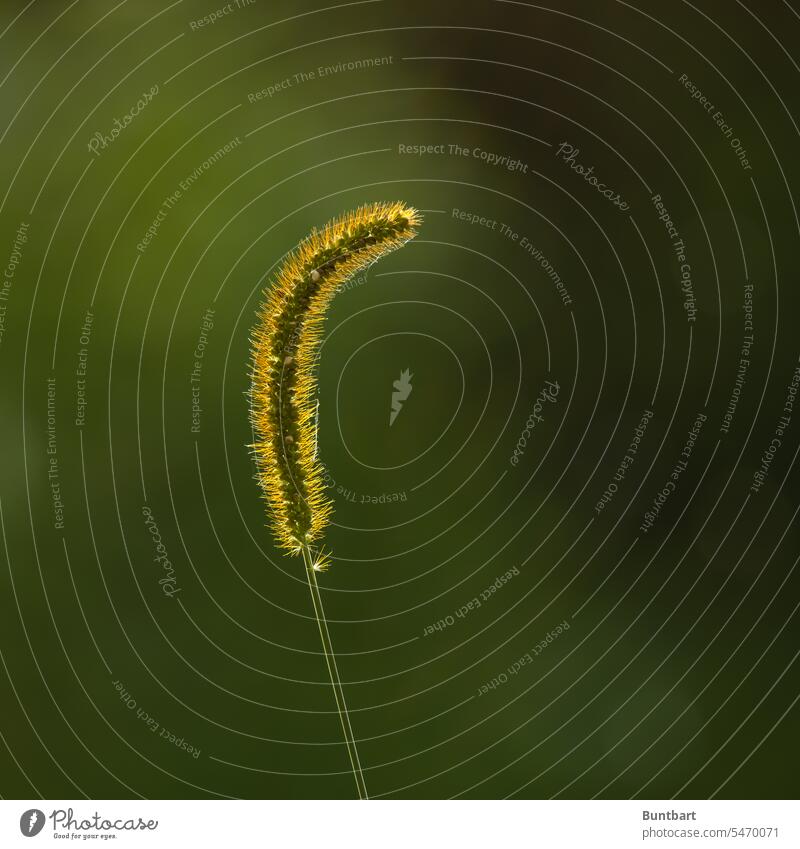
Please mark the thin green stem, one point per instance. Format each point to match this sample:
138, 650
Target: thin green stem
333, 672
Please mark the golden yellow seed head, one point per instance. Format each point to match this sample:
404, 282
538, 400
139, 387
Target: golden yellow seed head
289, 330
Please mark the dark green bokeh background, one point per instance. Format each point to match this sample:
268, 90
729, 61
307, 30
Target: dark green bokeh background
688, 637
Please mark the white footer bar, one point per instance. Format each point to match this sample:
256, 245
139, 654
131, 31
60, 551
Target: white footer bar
402, 824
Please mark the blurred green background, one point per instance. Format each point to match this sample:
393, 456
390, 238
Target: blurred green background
677, 674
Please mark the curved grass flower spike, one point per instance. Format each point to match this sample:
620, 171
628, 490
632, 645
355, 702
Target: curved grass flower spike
283, 406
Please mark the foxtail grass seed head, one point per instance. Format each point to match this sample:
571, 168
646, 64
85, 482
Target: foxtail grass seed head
284, 344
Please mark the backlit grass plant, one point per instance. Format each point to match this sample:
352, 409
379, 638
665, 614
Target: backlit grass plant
283, 407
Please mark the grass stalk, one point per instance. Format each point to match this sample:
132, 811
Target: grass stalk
333, 672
